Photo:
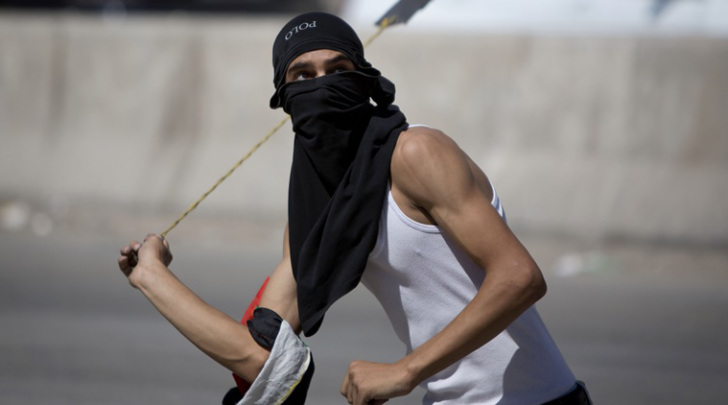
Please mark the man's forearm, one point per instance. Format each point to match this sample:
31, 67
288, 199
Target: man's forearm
215, 333
496, 305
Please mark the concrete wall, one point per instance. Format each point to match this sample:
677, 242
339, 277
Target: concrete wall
612, 136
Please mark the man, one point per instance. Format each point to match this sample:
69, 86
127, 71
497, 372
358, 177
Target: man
400, 208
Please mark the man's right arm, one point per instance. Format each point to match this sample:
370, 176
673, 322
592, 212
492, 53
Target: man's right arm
215, 333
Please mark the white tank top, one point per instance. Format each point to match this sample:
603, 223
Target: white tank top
423, 281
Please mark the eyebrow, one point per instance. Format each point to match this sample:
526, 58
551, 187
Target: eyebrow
298, 66
338, 58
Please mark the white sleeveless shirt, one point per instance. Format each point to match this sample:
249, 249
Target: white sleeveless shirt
423, 280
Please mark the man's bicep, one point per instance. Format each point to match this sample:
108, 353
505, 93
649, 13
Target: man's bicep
280, 294
457, 195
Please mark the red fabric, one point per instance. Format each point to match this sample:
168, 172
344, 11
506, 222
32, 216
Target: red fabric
243, 385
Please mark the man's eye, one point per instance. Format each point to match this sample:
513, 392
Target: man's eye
301, 76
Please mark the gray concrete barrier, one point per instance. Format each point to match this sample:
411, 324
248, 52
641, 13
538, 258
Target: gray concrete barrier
594, 136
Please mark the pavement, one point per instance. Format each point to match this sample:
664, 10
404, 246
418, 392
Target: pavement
639, 322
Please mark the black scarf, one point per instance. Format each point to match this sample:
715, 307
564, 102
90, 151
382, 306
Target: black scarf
341, 159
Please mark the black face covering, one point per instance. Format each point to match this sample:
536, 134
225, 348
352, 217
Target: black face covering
340, 171
329, 115
335, 102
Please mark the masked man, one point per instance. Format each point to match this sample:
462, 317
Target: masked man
398, 207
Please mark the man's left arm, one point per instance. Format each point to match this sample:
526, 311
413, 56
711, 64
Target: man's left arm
431, 171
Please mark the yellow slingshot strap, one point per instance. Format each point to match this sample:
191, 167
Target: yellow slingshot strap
384, 24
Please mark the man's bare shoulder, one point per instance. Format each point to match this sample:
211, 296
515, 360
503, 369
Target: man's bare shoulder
419, 143
428, 162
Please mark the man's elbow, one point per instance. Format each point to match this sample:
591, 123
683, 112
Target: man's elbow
530, 284
535, 285
245, 360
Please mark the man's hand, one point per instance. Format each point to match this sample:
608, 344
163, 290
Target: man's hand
375, 383
153, 251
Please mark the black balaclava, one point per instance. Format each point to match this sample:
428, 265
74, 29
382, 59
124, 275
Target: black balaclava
341, 157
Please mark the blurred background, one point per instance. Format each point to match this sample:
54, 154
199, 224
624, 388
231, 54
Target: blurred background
602, 123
